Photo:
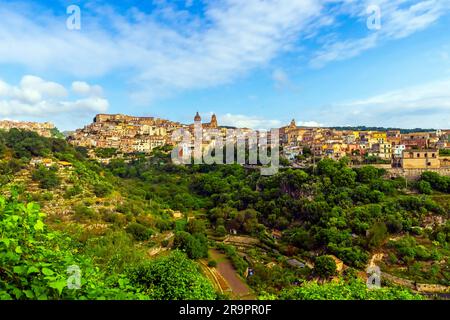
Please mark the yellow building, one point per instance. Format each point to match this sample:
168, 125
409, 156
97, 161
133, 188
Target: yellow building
385, 151
379, 135
421, 159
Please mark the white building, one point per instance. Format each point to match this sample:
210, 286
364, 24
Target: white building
398, 150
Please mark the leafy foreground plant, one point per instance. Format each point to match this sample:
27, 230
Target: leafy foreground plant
34, 261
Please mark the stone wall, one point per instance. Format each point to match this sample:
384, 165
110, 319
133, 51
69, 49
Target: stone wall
414, 174
418, 287
378, 166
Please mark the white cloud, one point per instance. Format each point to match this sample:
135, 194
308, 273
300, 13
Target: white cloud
258, 123
399, 19
282, 81
39, 98
342, 50
310, 124
234, 37
426, 105
243, 121
85, 89
401, 23
4, 88
32, 90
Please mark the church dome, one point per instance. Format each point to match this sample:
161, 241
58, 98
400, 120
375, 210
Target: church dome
197, 117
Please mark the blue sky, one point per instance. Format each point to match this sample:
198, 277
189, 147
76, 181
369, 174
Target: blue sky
255, 63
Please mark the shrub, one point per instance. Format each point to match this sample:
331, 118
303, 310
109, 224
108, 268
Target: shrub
424, 187
165, 243
73, 191
139, 231
102, 189
377, 234
47, 196
437, 182
47, 178
221, 231
212, 263
325, 267
172, 277
82, 211
164, 225
195, 246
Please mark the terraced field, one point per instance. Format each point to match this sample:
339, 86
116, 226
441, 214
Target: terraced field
225, 278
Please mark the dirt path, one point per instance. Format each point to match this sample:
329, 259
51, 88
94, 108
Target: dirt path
377, 257
238, 287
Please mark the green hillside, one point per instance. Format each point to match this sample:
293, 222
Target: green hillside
139, 228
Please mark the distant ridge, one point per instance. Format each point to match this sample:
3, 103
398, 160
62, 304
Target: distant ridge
364, 128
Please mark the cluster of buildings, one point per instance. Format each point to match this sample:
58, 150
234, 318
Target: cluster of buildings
407, 150
142, 134
125, 133
129, 134
44, 129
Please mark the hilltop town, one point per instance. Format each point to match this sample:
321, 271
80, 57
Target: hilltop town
417, 150
126, 134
